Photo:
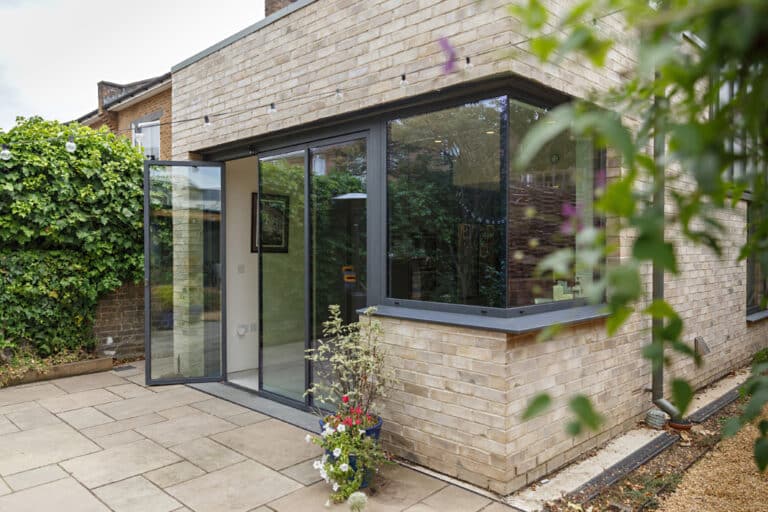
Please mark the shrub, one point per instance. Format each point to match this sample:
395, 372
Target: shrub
70, 231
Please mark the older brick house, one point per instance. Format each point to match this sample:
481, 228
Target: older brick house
326, 157
143, 107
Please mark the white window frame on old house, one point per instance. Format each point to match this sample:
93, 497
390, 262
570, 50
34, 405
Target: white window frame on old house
150, 132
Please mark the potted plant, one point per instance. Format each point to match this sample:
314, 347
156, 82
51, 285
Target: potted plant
350, 379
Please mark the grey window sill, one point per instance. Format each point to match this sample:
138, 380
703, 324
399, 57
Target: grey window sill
515, 325
756, 317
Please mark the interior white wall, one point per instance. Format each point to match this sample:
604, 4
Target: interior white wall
242, 267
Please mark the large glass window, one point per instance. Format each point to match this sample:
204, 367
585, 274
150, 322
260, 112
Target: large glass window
463, 226
445, 198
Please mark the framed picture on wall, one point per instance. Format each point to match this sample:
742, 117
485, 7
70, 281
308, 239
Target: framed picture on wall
255, 222
274, 223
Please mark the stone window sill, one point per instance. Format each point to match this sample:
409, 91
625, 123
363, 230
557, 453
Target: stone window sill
515, 325
756, 317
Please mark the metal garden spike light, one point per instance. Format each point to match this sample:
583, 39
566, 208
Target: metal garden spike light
403, 80
207, 122
70, 146
272, 108
5, 154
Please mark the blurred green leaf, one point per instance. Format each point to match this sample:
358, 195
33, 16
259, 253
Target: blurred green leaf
537, 405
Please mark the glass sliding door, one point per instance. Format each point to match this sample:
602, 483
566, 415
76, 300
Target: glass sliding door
311, 257
183, 274
339, 232
283, 270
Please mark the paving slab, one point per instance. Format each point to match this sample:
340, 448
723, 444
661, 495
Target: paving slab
143, 405
308, 498
455, 499
129, 370
129, 390
33, 477
185, 428
64, 495
136, 494
236, 488
178, 412
122, 425
219, 407
85, 417
30, 449
34, 417
119, 462
272, 442
112, 440
78, 400
399, 488
4, 489
248, 418
207, 454
174, 474
6, 427
90, 381
17, 394
303, 472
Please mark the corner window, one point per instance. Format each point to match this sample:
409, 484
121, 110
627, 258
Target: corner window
147, 136
463, 226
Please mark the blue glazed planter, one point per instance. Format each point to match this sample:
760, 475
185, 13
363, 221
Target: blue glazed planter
374, 432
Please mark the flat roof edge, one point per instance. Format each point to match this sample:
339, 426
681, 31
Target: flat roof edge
282, 13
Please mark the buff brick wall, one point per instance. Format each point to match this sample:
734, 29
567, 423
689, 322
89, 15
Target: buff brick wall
460, 392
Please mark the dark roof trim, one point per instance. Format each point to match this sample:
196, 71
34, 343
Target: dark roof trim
135, 92
282, 13
92, 113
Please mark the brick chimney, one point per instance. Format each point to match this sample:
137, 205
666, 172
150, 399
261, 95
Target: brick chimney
272, 6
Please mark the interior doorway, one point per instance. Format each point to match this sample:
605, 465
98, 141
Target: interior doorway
242, 271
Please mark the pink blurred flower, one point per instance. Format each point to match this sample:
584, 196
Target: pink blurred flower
449, 66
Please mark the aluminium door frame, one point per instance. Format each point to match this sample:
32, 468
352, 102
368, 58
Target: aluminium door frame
223, 286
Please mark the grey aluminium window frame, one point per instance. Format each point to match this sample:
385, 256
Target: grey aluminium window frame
374, 124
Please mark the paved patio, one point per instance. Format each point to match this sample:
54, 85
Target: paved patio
105, 442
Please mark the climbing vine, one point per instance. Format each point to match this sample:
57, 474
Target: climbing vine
70, 231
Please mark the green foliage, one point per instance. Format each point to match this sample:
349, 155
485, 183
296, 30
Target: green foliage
536, 406
70, 231
672, 94
349, 364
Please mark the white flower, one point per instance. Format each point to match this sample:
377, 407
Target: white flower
317, 464
324, 458
335, 487
327, 503
308, 438
323, 474
342, 428
337, 452
361, 432
357, 501
344, 468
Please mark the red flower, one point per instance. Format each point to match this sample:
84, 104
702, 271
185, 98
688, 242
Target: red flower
345, 399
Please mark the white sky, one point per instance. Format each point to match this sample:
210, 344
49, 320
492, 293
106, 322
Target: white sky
53, 52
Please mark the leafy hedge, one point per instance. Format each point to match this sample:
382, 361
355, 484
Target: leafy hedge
70, 231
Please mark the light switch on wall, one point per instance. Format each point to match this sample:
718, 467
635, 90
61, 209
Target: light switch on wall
241, 268
242, 330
